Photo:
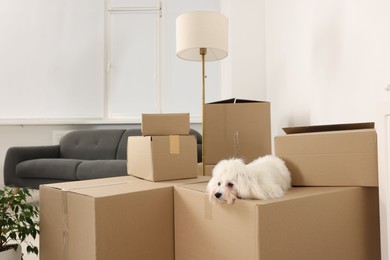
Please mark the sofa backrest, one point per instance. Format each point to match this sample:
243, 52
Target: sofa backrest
91, 144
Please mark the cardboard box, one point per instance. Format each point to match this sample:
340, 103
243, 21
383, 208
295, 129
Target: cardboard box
236, 128
160, 158
330, 155
113, 218
166, 124
107, 221
308, 223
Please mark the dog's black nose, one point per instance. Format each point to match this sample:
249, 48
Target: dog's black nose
218, 195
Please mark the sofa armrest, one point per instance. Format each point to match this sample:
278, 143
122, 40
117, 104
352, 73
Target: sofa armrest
199, 143
16, 155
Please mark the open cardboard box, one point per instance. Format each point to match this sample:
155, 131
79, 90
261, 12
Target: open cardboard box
308, 223
236, 128
330, 155
114, 218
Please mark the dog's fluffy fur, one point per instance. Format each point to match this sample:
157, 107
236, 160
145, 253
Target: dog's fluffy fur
265, 178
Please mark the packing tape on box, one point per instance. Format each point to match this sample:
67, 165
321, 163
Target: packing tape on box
174, 144
65, 227
236, 143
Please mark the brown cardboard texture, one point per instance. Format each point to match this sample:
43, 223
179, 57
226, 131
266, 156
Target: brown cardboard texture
159, 158
111, 218
309, 223
115, 219
330, 158
208, 169
236, 128
166, 124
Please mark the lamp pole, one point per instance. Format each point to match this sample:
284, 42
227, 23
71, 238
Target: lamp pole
203, 52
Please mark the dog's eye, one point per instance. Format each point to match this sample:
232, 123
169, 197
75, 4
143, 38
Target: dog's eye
219, 184
230, 185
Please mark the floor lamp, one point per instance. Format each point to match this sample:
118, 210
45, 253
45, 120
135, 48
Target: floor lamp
202, 36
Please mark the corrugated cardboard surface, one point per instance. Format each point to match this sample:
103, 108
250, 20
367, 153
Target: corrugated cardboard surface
334, 158
240, 129
208, 169
309, 223
166, 124
159, 158
114, 220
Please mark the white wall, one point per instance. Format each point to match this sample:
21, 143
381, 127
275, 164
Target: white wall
316, 61
243, 71
327, 61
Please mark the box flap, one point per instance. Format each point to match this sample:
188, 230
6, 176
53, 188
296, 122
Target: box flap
236, 100
165, 124
328, 128
94, 182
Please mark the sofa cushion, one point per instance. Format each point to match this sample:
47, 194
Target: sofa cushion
62, 169
101, 169
91, 144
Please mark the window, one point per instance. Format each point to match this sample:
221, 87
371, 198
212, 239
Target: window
98, 59
133, 48
52, 59
144, 73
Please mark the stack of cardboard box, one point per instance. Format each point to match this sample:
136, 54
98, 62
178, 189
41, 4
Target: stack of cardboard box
332, 212
133, 218
166, 151
118, 218
125, 217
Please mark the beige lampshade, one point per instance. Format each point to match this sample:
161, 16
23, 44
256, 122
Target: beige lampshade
197, 30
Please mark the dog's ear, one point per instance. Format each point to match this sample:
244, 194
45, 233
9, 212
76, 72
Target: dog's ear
211, 188
213, 183
211, 196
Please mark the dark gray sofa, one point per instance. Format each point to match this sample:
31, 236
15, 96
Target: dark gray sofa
81, 155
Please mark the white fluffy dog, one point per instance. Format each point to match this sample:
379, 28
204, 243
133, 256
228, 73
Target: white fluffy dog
264, 178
